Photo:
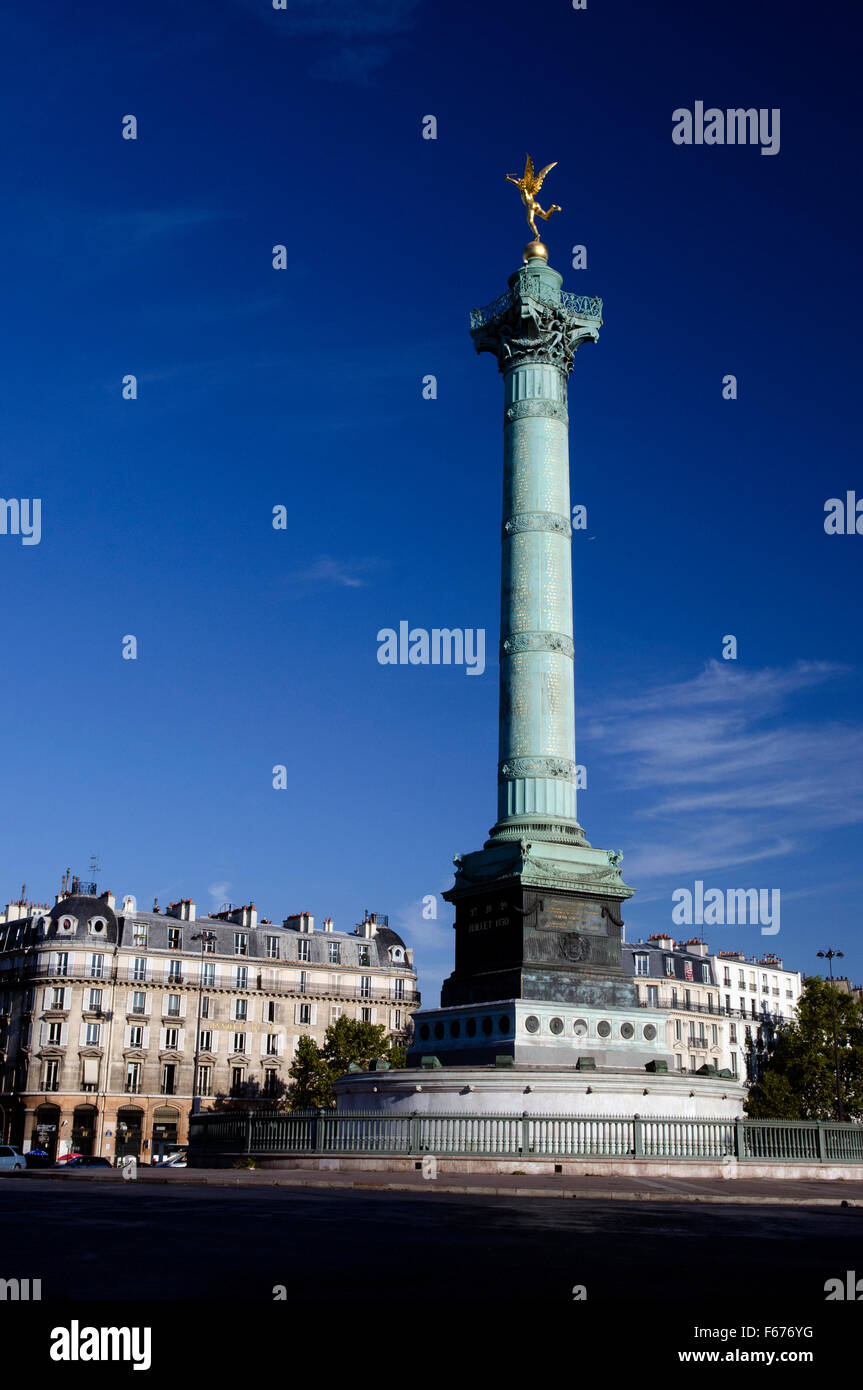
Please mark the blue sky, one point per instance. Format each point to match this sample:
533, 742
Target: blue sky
302, 387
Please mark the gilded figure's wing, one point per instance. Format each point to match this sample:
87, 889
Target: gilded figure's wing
528, 171
537, 183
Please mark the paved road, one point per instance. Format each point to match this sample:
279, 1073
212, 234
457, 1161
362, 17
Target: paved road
153, 1241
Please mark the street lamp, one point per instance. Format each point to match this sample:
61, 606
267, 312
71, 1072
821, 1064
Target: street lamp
205, 938
830, 956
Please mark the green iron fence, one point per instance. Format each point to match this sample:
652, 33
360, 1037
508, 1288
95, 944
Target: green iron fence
235, 1133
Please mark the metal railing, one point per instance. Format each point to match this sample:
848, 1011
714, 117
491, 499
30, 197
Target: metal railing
256, 981
584, 305
215, 1136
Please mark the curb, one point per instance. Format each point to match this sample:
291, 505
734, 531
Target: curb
453, 1189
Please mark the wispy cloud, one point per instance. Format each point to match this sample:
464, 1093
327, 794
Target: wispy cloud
138, 226
361, 37
327, 571
218, 893
732, 774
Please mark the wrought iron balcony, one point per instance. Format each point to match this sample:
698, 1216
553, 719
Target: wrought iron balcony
587, 307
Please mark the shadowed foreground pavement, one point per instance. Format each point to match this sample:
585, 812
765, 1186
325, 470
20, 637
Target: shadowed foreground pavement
165, 1240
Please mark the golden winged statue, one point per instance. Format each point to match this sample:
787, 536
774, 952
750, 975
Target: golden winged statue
529, 185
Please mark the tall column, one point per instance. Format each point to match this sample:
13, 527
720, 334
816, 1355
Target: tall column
534, 331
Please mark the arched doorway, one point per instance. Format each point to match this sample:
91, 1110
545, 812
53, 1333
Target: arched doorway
84, 1129
46, 1130
130, 1122
166, 1123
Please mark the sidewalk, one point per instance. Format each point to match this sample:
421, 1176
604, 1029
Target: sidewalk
601, 1188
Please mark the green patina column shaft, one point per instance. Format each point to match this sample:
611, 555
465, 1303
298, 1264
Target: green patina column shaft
534, 331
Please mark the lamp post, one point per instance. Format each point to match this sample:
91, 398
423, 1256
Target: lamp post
205, 937
830, 956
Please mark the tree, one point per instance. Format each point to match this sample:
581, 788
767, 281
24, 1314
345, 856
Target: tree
312, 1086
250, 1096
346, 1041
798, 1077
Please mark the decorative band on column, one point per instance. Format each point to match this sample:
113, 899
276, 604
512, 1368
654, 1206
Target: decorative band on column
515, 768
554, 522
552, 410
537, 642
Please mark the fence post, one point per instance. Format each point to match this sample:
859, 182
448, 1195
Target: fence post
637, 1137
415, 1132
822, 1142
525, 1134
248, 1133
739, 1139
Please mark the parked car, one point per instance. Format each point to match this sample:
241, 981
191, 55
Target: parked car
11, 1159
81, 1161
177, 1160
38, 1158
67, 1158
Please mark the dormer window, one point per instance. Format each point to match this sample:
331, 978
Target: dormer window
241, 943
669, 967
98, 926
67, 924
642, 966
365, 956
175, 939
139, 935
397, 955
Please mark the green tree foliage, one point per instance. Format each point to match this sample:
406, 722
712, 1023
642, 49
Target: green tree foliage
346, 1041
250, 1096
798, 1081
312, 1082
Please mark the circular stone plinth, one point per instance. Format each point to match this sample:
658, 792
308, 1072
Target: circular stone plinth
541, 1091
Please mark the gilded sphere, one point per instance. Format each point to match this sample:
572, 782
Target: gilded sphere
535, 250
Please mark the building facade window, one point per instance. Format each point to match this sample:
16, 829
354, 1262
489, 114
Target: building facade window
133, 1078
136, 1036
239, 1042
653, 996
172, 1008
304, 951
241, 977
272, 1044
93, 1034
139, 968
172, 1038
365, 986
175, 972
366, 1015
241, 1008
669, 967
139, 934
335, 953
139, 1002
169, 1078
241, 943
305, 1013
208, 974
51, 1076
97, 966
205, 1081
642, 964
205, 1006
94, 1000
55, 1033
205, 1041
272, 948
175, 939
